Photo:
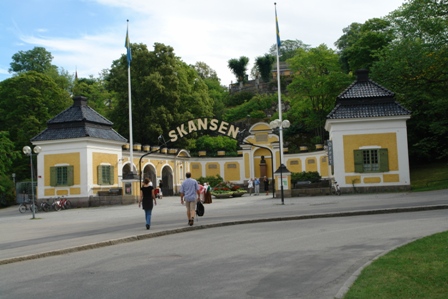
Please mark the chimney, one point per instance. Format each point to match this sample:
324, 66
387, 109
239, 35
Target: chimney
362, 75
79, 101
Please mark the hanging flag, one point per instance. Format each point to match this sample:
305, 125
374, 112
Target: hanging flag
127, 45
279, 43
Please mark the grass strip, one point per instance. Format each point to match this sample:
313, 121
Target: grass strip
416, 270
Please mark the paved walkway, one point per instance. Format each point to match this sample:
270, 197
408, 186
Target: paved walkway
53, 233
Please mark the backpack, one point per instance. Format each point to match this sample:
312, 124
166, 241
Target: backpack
200, 209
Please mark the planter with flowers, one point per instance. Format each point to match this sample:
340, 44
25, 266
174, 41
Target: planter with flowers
226, 190
237, 191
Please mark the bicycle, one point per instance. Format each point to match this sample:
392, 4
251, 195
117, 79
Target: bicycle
335, 188
65, 203
56, 205
24, 206
44, 206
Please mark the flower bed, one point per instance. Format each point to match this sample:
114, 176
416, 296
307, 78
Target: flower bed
226, 190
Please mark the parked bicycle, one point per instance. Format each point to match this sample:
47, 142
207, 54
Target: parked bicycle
335, 188
44, 206
65, 203
56, 204
27, 206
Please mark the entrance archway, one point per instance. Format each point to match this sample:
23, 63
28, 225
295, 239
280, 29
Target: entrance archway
167, 178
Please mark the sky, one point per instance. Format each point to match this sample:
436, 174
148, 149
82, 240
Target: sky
86, 36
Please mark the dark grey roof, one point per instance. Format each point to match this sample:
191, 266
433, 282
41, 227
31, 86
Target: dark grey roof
365, 98
367, 110
79, 121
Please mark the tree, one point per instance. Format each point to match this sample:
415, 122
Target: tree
94, 89
205, 71
288, 49
317, 81
239, 68
264, 66
414, 67
29, 100
165, 93
360, 42
38, 59
8, 154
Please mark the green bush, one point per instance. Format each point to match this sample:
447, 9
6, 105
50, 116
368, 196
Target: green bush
312, 176
212, 180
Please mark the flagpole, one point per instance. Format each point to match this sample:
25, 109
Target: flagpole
279, 91
131, 141
280, 123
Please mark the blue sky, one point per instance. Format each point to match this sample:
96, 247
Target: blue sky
87, 35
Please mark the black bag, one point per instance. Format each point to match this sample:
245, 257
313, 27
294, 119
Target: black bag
200, 209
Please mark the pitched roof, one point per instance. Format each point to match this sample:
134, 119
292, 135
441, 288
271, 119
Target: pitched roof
366, 98
79, 121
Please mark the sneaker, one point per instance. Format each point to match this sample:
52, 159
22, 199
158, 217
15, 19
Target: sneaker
191, 222
147, 226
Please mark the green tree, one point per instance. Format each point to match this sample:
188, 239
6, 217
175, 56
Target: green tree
414, 67
239, 68
212, 144
8, 154
165, 93
94, 89
288, 49
264, 66
317, 81
360, 42
205, 71
29, 100
38, 59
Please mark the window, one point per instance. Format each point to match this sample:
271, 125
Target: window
371, 160
105, 175
61, 176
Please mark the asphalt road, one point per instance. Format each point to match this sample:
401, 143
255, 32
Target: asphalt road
312, 258
248, 247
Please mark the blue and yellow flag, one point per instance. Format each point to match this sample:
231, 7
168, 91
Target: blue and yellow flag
127, 45
279, 43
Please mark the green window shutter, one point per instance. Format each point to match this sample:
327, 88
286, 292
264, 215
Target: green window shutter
384, 159
70, 175
100, 174
359, 162
111, 175
53, 176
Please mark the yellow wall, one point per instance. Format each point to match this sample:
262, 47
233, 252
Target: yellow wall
196, 172
232, 174
295, 167
98, 158
311, 166
72, 159
212, 171
391, 178
323, 166
384, 140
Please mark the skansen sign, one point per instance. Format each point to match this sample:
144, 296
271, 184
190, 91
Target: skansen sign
203, 124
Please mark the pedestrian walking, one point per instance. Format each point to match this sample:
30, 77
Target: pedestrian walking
266, 185
160, 189
147, 197
208, 193
257, 186
189, 192
250, 186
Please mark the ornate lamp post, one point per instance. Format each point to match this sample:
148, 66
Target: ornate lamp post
278, 123
27, 151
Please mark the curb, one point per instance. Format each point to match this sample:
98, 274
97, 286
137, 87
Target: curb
222, 224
